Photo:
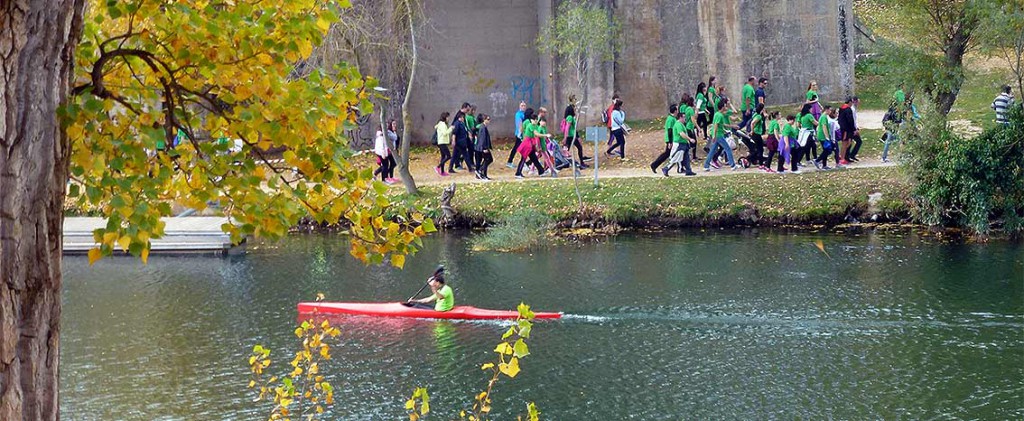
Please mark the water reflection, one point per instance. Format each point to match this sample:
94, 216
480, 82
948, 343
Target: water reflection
712, 325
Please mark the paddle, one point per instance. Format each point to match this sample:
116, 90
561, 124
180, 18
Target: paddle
440, 268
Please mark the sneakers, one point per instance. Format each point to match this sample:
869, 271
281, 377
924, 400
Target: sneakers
478, 176
736, 167
716, 165
510, 165
707, 169
818, 165
519, 177
768, 170
844, 162
438, 170
690, 174
665, 171
796, 171
654, 169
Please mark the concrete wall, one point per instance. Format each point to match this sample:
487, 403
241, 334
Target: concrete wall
671, 46
483, 52
479, 52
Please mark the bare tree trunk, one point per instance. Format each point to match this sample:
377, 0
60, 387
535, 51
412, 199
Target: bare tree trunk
403, 158
955, 50
37, 43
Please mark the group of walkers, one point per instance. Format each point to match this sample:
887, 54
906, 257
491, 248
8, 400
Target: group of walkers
535, 145
471, 138
708, 113
815, 134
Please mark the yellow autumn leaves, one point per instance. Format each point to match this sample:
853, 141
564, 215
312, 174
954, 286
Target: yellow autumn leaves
204, 105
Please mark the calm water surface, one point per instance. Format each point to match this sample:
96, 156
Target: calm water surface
694, 326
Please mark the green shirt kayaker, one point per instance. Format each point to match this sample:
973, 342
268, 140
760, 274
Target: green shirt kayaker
441, 293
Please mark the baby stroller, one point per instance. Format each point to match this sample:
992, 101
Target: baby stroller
559, 156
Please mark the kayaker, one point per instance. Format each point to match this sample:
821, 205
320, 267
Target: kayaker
440, 292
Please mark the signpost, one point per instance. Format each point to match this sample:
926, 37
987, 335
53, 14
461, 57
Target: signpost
597, 134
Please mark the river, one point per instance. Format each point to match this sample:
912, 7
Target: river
696, 325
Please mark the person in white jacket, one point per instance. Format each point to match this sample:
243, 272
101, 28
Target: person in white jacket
380, 148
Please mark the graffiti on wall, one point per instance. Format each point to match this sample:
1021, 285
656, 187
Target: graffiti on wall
499, 104
361, 136
532, 90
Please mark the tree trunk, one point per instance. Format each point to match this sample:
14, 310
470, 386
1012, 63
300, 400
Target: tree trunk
403, 155
955, 49
37, 43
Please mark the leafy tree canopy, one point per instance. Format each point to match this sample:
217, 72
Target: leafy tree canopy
204, 103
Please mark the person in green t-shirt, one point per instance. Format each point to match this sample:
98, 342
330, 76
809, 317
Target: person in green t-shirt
719, 124
772, 142
747, 104
788, 146
701, 105
471, 124
669, 123
899, 97
825, 136
756, 132
808, 122
813, 99
439, 292
680, 147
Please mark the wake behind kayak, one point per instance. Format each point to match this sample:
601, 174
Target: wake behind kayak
400, 310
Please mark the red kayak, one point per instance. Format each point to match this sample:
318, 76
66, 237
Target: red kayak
399, 310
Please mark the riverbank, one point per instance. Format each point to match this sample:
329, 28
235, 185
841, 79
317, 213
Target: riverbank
747, 199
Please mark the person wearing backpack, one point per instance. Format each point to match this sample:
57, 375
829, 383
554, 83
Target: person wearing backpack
442, 138
618, 122
670, 122
606, 118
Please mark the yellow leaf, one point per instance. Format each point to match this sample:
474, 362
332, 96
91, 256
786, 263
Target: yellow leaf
124, 242
486, 366
94, 255
145, 255
504, 348
109, 237
398, 260
510, 369
323, 24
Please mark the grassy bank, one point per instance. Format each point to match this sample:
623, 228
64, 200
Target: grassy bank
652, 202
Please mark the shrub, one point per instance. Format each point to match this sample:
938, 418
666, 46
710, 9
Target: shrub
523, 229
968, 182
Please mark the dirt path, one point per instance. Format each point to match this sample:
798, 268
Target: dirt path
641, 149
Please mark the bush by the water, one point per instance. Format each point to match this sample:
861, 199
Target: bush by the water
520, 230
973, 183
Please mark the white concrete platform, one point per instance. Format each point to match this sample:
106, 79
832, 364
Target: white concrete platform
193, 234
